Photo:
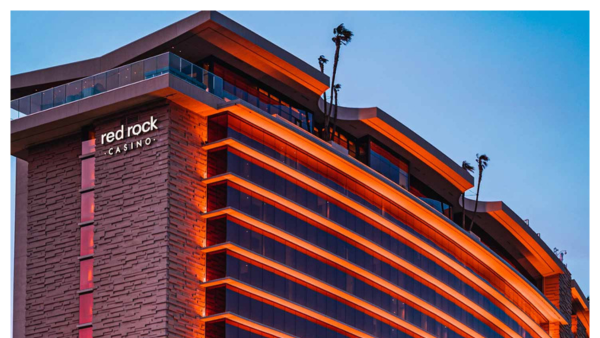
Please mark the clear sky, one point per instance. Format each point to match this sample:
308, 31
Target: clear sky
513, 85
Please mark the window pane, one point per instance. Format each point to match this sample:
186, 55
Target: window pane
85, 333
86, 275
85, 308
87, 206
87, 173
87, 240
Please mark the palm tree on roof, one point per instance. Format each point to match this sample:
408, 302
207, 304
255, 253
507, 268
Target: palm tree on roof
482, 163
341, 37
468, 167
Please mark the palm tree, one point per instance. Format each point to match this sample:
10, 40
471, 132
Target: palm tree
482, 163
322, 62
336, 90
468, 167
341, 36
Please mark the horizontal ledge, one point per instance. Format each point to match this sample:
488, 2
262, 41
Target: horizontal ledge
86, 190
84, 257
87, 155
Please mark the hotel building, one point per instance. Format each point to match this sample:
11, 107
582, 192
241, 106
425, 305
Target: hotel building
178, 187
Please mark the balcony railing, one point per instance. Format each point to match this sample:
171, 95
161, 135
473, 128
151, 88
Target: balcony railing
116, 78
144, 70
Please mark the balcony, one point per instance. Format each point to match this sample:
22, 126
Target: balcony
166, 63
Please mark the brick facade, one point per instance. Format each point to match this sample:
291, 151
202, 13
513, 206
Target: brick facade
54, 174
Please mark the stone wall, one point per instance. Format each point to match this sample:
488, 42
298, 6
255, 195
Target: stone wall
54, 174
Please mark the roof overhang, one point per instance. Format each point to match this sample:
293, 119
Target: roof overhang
507, 228
198, 36
408, 140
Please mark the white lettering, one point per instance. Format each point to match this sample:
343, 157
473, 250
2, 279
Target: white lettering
110, 137
146, 127
135, 130
119, 134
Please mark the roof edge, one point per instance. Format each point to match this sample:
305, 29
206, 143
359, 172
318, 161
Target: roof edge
499, 207
135, 49
409, 140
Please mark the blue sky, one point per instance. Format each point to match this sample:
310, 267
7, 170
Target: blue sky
513, 85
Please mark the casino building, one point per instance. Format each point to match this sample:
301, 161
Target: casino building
177, 187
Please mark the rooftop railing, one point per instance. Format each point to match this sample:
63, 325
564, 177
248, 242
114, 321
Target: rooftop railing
116, 78
141, 71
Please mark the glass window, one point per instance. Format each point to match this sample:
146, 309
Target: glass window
87, 240
85, 333
88, 172
85, 308
86, 275
87, 206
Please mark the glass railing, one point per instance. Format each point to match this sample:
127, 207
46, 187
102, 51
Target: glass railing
442, 207
116, 78
299, 117
144, 70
